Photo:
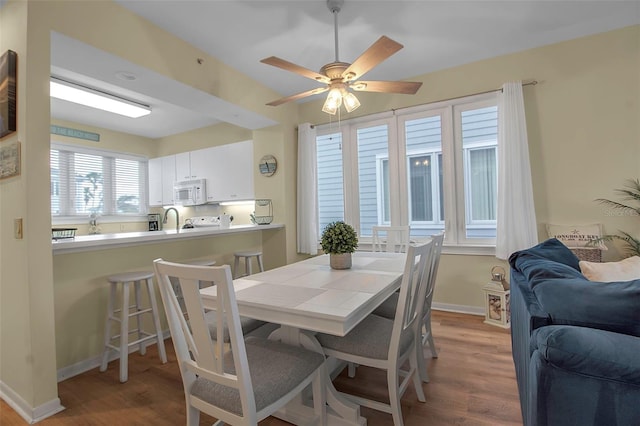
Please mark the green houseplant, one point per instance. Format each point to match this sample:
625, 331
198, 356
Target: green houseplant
630, 192
339, 240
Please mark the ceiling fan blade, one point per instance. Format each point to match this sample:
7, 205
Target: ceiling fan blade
378, 52
404, 87
289, 66
298, 96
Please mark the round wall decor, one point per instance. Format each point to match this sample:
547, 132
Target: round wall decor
268, 165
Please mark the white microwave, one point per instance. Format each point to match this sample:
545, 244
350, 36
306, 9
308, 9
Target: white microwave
190, 192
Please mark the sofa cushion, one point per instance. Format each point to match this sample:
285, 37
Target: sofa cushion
551, 249
577, 301
590, 352
540, 262
624, 270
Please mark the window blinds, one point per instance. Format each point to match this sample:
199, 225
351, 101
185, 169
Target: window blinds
86, 181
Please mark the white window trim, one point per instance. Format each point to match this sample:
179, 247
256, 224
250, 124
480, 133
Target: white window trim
435, 186
456, 241
380, 158
68, 219
467, 181
481, 101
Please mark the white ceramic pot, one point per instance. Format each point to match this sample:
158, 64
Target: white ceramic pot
340, 261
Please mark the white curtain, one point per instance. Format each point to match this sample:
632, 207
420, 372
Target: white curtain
307, 200
517, 229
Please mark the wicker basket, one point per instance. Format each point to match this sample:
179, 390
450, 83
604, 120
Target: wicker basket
61, 233
263, 220
588, 255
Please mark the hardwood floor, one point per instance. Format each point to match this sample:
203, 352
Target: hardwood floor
472, 383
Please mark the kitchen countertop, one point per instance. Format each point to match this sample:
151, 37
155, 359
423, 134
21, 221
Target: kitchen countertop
124, 239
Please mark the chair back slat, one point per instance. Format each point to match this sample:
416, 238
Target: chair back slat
438, 240
391, 239
412, 295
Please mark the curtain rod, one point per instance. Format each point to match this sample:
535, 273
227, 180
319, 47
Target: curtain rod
527, 83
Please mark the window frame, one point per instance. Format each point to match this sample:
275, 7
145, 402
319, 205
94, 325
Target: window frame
435, 187
109, 159
474, 103
381, 187
467, 179
453, 168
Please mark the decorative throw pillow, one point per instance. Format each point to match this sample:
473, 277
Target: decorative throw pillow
624, 270
577, 236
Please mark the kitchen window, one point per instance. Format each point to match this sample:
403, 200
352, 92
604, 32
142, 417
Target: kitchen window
87, 181
433, 167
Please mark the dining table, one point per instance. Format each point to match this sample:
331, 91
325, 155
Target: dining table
309, 297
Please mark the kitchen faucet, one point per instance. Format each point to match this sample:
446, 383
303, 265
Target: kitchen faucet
166, 212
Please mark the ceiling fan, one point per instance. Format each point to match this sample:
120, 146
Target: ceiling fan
339, 77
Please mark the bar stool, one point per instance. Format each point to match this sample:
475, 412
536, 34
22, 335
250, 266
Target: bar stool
246, 255
126, 311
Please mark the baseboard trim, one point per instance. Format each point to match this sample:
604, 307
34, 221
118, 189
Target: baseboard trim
30, 414
461, 309
91, 363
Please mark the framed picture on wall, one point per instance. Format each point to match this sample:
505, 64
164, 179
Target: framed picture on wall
8, 77
9, 160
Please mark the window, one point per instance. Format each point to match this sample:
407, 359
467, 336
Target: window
433, 167
86, 181
373, 143
330, 179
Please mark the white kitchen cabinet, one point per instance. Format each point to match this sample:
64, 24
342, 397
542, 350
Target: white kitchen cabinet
233, 172
194, 164
155, 182
168, 179
228, 170
183, 166
201, 164
162, 177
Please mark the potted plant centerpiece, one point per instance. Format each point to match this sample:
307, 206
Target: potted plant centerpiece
339, 239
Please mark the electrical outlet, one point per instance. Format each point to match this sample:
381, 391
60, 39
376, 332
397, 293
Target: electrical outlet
122, 227
17, 228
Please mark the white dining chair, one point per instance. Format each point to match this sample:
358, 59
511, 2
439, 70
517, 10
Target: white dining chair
426, 337
247, 382
247, 324
388, 308
391, 239
387, 344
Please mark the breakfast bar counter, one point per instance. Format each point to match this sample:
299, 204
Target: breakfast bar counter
125, 239
81, 267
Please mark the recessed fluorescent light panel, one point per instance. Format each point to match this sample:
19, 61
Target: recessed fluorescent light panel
71, 92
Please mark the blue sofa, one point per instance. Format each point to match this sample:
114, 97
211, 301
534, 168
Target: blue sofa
576, 343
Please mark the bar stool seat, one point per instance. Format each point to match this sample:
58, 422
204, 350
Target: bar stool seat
128, 310
246, 255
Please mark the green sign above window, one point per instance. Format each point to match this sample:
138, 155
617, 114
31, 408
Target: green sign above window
75, 133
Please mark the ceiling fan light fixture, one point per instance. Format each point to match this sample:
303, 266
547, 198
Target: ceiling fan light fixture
343, 75
350, 101
333, 102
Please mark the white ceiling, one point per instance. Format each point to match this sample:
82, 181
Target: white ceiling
436, 35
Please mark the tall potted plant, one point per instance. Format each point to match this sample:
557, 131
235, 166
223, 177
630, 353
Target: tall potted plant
339, 239
631, 192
